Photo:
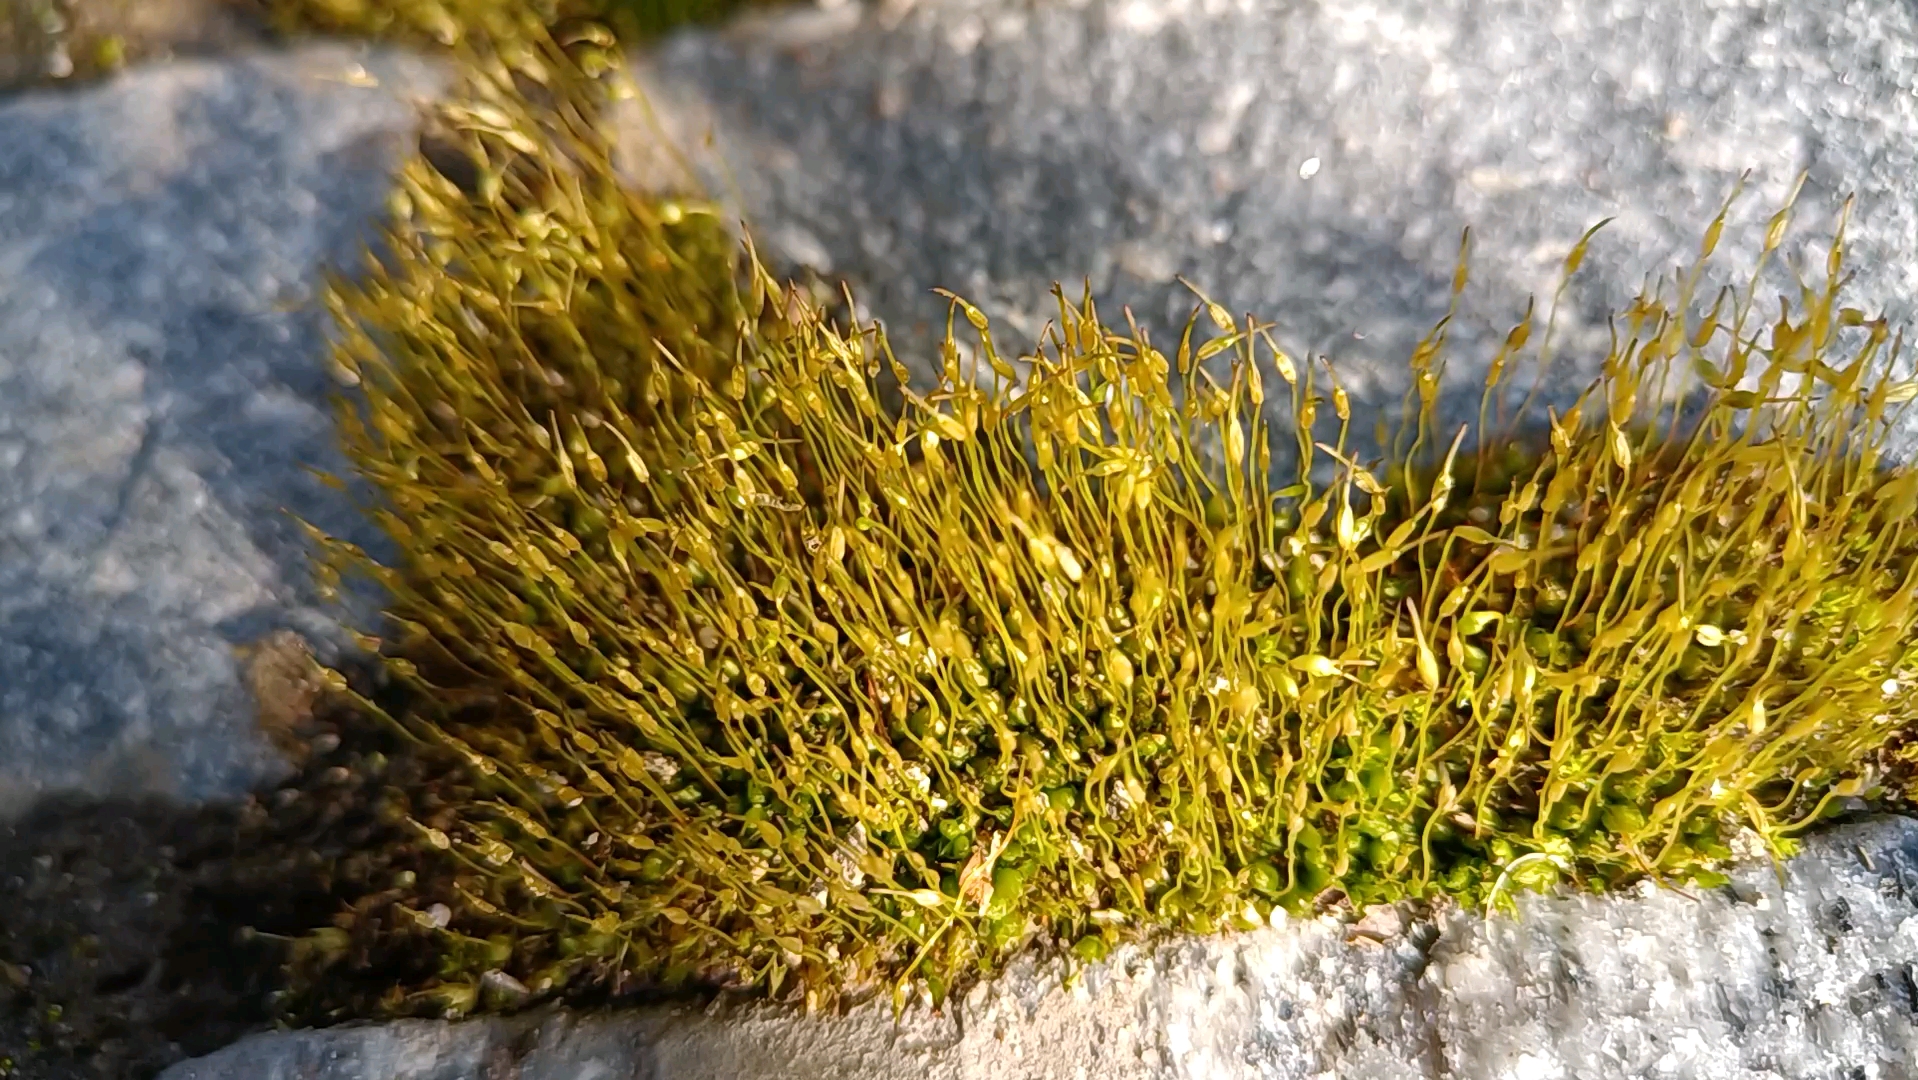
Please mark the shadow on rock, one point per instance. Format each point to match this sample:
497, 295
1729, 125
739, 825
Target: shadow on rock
138, 932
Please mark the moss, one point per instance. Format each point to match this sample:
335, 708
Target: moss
446, 22
761, 682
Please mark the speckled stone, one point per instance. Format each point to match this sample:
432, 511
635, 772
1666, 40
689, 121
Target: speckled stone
1309, 161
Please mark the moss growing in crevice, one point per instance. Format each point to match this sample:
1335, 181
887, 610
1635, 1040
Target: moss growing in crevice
447, 22
760, 682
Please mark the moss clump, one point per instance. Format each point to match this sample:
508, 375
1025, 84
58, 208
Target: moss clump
761, 681
448, 22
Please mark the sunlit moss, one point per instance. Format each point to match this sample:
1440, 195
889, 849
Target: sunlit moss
448, 21
759, 681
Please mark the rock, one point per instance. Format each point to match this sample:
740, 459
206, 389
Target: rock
415, 1050
1813, 976
162, 399
1808, 972
1311, 163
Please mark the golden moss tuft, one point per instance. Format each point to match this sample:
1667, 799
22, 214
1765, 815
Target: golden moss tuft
760, 681
449, 22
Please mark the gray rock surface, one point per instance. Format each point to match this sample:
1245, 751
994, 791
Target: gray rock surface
162, 396
1803, 973
1310, 161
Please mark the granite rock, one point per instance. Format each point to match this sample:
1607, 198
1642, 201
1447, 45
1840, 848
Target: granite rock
162, 399
1311, 162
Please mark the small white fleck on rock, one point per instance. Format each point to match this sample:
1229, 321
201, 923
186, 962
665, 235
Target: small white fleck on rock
1309, 168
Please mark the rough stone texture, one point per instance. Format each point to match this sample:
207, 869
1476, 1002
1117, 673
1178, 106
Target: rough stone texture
162, 396
1808, 976
995, 146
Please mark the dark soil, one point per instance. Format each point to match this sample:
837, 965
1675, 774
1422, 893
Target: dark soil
136, 933
123, 953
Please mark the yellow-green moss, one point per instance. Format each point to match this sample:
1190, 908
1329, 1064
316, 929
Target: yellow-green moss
760, 682
448, 21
